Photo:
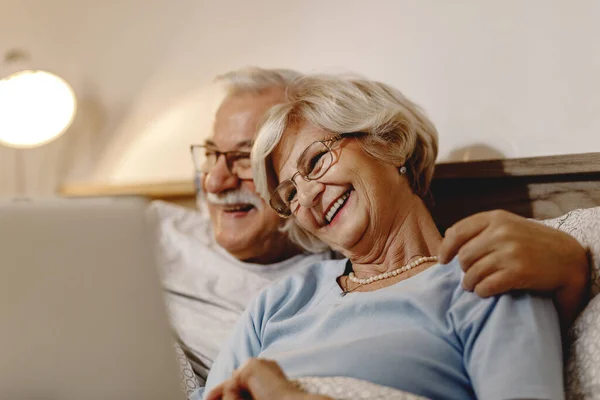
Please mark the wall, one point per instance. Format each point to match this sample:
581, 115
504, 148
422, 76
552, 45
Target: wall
108, 51
519, 76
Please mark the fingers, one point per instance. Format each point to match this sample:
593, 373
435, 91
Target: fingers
479, 271
476, 249
228, 390
459, 234
257, 371
494, 284
487, 277
231, 390
216, 393
264, 379
257, 379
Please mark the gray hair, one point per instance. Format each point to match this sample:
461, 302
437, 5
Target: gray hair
255, 80
397, 132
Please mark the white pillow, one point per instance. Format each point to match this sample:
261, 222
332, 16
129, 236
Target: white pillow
583, 362
187, 378
583, 365
583, 225
343, 388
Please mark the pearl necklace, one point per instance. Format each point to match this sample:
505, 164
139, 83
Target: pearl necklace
389, 274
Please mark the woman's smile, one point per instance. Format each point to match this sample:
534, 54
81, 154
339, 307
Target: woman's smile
335, 207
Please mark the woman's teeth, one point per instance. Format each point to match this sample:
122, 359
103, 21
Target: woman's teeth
336, 206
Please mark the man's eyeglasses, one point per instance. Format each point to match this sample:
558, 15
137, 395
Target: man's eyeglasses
312, 164
206, 157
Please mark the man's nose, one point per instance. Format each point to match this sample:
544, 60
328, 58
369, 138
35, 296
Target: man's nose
219, 178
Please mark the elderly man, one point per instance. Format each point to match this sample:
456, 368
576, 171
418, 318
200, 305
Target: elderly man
239, 249
242, 250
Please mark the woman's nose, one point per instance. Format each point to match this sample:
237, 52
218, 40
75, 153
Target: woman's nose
308, 192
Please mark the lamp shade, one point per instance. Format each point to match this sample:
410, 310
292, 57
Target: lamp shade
36, 107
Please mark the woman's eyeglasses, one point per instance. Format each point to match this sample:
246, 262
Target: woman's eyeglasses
206, 157
312, 164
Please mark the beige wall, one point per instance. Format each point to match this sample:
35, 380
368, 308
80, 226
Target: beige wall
520, 76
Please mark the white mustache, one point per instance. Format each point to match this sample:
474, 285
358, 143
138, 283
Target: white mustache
239, 196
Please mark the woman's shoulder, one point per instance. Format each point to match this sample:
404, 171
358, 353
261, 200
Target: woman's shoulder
304, 286
319, 270
451, 276
469, 307
445, 280
316, 274
448, 275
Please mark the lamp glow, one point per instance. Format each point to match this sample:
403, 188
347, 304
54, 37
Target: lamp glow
36, 107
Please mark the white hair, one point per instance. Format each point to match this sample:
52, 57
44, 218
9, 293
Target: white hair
255, 80
397, 132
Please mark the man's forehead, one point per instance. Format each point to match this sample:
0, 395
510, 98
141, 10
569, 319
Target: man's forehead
235, 127
238, 117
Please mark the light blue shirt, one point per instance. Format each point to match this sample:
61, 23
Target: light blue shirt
424, 335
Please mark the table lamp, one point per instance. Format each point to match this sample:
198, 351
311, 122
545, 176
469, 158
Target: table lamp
36, 107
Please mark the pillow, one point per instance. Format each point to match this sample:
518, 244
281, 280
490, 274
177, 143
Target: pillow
187, 378
583, 365
583, 360
343, 388
583, 225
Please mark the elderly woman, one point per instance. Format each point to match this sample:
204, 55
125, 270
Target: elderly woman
349, 162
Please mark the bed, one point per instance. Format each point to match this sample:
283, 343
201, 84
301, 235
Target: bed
553, 188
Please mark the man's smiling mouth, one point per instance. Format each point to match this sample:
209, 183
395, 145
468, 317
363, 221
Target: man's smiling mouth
232, 208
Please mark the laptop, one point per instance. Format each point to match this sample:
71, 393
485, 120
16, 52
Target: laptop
82, 314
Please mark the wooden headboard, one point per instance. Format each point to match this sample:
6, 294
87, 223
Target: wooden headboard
537, 187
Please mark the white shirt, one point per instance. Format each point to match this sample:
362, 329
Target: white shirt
206, 288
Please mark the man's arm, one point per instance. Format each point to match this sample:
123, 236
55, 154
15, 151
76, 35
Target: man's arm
500, 251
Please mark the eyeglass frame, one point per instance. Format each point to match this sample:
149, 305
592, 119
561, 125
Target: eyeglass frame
227, 154
327, 143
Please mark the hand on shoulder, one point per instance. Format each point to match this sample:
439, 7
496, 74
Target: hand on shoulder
500, 251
